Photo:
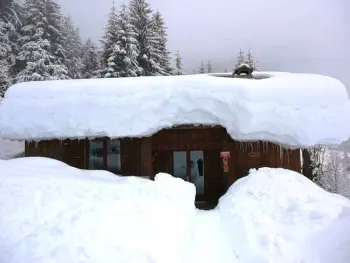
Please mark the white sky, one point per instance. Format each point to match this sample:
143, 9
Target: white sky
285, 35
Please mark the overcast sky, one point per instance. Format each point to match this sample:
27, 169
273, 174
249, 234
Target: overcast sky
285, 35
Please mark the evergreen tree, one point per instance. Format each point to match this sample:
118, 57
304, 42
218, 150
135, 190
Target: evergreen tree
42, 55
202, 68
209, 67
226, 70
73, 49
250, 60
10, 26
5, 9
6, 51
148, 39
108, 42
178, 64
240, 59
160, 31
124, 55
90, 60
4, 77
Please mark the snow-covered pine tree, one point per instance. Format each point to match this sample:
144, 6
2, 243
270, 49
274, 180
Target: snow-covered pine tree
178, 64
90, 59
209, 67
240, 58
109, 41
10, 27
4, 77
160, 30
42, 55
73, 49
250, 60
147, 37
202, 68
57, 39
123, 58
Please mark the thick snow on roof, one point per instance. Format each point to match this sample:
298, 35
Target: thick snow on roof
54, 213
286, 108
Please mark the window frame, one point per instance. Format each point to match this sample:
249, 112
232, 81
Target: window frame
105, 153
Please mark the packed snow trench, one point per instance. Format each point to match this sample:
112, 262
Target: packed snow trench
53, 213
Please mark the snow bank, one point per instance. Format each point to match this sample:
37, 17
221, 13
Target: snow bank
273, 211
54, 213
286, 108
10, 149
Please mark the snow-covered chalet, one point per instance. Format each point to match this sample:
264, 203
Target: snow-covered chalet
206, 129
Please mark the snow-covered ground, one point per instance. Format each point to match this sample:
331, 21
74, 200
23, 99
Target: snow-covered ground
10, 149
51, 212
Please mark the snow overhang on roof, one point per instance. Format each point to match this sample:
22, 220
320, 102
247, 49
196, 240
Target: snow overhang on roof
298, 110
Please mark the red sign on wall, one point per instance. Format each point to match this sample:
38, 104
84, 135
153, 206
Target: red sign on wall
225, 154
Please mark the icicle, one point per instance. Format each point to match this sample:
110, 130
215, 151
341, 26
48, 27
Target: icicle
281, 154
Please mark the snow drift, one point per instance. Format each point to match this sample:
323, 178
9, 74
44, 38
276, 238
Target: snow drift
298, 110
54, 213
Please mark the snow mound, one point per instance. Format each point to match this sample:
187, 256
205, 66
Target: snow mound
10, 149
298, 110
54, 213
275, 210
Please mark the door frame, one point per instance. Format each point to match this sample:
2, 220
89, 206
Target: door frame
199, 198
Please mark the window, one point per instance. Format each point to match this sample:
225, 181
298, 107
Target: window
113, 156
104, 154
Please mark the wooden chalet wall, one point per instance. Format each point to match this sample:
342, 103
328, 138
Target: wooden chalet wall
72, 152
150, 155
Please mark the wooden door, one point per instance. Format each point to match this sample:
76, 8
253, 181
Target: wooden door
213, 176
163, 162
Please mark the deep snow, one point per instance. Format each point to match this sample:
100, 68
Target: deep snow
51, 212
298, 110
10, 149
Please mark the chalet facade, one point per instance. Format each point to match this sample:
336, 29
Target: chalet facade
206, 129
206, 156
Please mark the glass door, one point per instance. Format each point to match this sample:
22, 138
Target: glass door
189, 166
197, 173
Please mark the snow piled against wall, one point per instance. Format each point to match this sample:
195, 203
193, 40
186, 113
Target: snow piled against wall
291, 109
56, 213
10, 149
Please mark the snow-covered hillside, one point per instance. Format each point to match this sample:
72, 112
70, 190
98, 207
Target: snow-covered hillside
58, 214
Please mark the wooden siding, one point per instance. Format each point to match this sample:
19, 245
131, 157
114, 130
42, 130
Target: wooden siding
181, 139
71, 152
162, 162
146, 165
52, 149
213, 176
130, 156
75, 153
151, 155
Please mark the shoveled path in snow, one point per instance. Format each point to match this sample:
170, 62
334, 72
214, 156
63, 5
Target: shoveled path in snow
208, 229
